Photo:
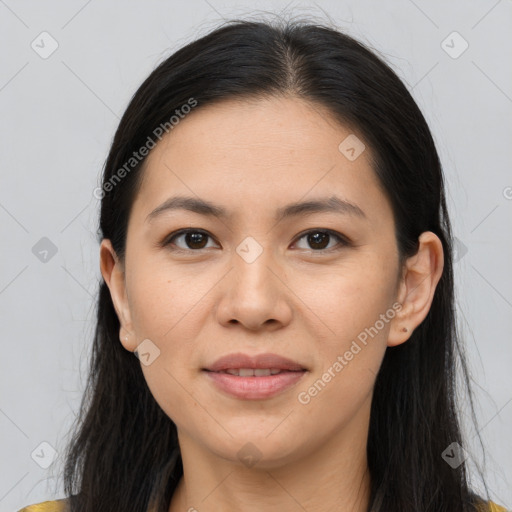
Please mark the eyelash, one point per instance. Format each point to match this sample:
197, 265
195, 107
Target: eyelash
343, 241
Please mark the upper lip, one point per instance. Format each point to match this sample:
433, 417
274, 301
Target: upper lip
267, 360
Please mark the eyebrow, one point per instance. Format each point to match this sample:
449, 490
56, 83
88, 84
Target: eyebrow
196, 205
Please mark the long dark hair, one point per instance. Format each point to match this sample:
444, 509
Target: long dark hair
124, 452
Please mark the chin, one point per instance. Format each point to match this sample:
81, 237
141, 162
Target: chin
257, 449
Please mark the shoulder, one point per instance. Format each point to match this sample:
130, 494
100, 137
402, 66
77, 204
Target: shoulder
493, 507
60, 506
47, 506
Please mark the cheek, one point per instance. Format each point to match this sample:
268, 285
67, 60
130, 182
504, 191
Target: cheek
164, 308
162, 301
350, 299
160, 314
356, 307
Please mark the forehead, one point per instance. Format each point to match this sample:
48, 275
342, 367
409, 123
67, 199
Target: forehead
253, 153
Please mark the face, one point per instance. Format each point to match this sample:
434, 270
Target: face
317, 285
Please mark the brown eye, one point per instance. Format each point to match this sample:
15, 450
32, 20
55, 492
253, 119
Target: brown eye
193, 239
319, 240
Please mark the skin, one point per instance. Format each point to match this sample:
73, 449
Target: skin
302, 302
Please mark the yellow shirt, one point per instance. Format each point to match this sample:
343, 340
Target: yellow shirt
53, 506
46, 506
59, 506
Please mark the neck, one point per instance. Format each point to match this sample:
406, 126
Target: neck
333, 477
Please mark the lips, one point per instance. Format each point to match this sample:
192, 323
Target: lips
254, 377
240, 361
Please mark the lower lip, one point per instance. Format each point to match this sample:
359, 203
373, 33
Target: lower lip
254, 388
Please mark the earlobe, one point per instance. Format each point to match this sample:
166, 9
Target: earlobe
420, 278
113, 273
401, 326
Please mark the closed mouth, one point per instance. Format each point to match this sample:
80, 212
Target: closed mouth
255, 372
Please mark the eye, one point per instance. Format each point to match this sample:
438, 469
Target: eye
319, 239
194, 239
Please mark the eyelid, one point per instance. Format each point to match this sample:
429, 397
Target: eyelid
343, 240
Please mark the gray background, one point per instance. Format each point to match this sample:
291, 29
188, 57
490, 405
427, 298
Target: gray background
58, 115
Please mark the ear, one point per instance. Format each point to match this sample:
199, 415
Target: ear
420, 276
114, 276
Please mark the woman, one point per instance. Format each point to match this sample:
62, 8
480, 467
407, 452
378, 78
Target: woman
277, 253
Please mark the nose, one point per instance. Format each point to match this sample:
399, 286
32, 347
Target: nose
255, 295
